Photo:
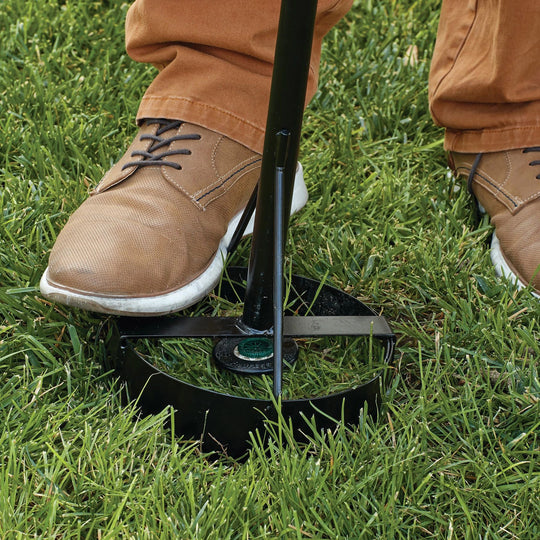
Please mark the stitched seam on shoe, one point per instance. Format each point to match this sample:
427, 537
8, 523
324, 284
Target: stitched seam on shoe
218, 193
219, 182
531, 197
508, 168
214, 165
516, 200
228, 178
219, 176
492, 183
171, 179
194, 197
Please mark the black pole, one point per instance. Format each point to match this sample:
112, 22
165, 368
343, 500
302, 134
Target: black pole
285, 112
282, 149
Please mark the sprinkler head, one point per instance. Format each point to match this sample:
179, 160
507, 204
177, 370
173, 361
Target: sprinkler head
253, 355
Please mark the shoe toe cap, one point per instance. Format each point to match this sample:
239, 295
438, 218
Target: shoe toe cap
115, 258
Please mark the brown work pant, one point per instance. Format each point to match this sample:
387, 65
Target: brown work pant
215, 61
484, 85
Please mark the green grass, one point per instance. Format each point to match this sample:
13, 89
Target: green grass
456, 451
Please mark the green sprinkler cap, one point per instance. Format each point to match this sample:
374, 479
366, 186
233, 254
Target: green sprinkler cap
255, 348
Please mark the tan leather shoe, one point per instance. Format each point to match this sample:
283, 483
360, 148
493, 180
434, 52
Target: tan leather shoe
507, 186
152, 237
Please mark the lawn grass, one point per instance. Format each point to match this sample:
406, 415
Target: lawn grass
455, 453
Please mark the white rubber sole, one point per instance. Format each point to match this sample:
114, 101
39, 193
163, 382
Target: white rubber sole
174, 301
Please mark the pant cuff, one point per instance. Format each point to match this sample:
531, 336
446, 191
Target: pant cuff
491, 140
202, 114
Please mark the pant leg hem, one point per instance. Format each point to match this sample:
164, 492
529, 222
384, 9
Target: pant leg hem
209, 116
491, 140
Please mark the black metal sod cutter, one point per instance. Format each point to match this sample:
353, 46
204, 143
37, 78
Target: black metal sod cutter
262, 339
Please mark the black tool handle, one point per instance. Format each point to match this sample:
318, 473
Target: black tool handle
285, 112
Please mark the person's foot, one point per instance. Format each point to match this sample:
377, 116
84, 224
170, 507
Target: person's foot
507, 187
152, 237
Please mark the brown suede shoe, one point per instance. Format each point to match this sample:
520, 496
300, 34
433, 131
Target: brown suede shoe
507, 186
153, 236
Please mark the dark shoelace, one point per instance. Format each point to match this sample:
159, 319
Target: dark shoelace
535, 162
150, 157
472, 173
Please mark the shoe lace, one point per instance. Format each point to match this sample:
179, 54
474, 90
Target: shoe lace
535, 162
151, 157
472, 173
